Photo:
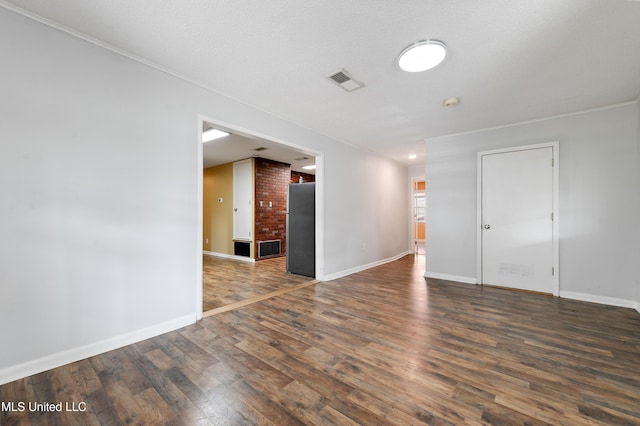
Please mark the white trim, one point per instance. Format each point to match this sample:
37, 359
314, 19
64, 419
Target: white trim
603, 300
412, 225
447, 277
55, 360
319, 216
361, 268
555, 146
536, 120
228, 256
200, 220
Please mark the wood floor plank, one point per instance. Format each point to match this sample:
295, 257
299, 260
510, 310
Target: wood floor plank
383, 346
231, 282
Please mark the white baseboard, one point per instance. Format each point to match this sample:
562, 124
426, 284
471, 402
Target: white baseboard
603, 300
447, 277
229, 256
360, 268
76, 354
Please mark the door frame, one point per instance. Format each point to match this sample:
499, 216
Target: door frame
555, 145
414, 226
234, 128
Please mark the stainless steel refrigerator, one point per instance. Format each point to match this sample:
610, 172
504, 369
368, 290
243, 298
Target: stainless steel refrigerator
301, 229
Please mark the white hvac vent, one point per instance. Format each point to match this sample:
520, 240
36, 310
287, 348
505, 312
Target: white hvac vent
345, 80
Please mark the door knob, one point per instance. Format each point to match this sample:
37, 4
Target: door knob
487, 226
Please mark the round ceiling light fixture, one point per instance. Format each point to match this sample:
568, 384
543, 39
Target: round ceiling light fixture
422, 55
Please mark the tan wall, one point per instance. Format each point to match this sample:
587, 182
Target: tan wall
218, 217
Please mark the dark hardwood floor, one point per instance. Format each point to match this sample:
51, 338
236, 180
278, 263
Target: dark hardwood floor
228, 281
378, 347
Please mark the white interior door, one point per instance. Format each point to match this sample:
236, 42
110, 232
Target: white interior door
517, 205
242, 200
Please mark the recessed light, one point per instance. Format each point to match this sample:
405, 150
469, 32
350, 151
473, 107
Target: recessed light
311, 167
213, 134
422, 55
412, 156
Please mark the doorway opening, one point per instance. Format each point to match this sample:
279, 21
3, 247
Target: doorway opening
242, 233
419, 215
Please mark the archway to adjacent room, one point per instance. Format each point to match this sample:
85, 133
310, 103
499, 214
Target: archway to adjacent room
251, 266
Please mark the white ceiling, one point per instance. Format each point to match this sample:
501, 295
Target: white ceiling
238, 147
508, 60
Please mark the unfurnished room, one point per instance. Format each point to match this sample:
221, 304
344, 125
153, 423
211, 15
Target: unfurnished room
319, 212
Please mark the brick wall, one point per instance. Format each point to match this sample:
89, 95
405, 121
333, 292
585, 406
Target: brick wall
272, 179
295, 177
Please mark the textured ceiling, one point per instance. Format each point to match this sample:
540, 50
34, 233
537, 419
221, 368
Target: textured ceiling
508, 60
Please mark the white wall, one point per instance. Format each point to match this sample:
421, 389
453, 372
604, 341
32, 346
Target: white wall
368, 204
599, 205
98, 176
416, 172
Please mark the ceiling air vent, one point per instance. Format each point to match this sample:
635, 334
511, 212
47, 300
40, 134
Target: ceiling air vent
262, 148
343, 79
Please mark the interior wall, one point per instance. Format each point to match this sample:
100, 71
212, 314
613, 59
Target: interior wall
217, 229
372, 193
99, 169
271, 183
599, 206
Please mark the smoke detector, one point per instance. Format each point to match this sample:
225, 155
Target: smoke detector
451, 102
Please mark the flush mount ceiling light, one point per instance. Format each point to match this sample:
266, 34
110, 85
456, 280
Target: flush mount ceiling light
422, 55
412, 156
310, 167
213, 134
